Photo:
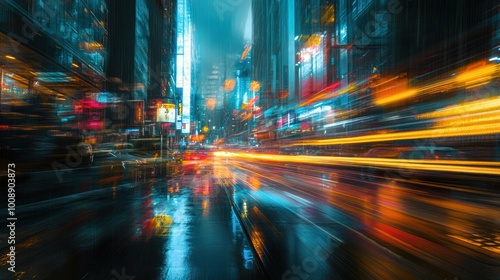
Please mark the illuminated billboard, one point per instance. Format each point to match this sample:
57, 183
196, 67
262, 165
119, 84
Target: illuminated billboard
165, 113
138, 111
184, 52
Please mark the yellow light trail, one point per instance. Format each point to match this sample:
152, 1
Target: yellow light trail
468, 79
460, 166
480, 73
325, 94
396, 97
469, 120
483, 129
466, 108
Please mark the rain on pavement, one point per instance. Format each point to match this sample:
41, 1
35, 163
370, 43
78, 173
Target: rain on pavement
180, 228
231, 219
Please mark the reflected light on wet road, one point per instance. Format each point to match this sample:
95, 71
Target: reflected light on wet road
461, 166
409, 229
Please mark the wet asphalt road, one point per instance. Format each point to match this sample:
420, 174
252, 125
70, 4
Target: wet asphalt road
327, 223
158, 229
242, 220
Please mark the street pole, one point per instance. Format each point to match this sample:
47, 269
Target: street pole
161, 148
1, 90
250, 127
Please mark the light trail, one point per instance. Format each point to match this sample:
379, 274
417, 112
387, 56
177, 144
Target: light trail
459, 166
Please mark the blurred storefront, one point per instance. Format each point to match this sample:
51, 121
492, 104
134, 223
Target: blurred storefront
52, 52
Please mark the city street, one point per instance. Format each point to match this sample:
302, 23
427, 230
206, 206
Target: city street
328, 224
190, 139
245, 220
156, 229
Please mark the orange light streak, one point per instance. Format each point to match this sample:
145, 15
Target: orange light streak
462, 166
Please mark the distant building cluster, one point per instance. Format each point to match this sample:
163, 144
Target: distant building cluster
310, 66
336, 67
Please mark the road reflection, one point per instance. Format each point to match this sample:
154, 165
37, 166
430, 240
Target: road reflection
181, 228
381, 229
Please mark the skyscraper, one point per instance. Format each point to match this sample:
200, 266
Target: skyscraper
52, 47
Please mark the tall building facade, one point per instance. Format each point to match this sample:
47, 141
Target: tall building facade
334, 53
215, 104
161, 59
142, 60
52, 48
127, 68
143, 45
415, 41
168, 51
293, 59
184, 65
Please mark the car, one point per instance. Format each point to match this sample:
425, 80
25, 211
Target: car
85, 151
102, 150
168, 152
406, 153
153, 147
120, 164
196, 154
76, 155
431, 152
384, 152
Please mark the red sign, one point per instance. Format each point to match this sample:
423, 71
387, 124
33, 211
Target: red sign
138, 112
